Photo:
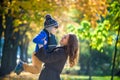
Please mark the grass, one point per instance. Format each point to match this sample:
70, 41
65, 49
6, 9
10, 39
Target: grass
74, 77
29, 76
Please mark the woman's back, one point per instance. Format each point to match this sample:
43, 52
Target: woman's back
54, 63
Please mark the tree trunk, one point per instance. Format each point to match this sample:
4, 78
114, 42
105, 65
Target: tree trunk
88, 70
1, 27
90, 62
9, 56
114, 58
1, 30
23, 49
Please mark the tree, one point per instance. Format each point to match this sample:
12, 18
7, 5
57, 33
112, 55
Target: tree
91, 10
114, 18
10, 46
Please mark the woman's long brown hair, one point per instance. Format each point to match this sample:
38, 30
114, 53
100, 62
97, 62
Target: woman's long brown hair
72, 49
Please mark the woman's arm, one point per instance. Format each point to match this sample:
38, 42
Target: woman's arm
39, 39
45, 57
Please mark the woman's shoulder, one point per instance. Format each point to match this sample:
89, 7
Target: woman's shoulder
60, 49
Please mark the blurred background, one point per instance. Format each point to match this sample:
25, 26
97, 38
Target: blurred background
95, 22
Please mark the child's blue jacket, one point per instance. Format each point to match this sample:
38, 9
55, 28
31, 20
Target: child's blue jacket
39, 39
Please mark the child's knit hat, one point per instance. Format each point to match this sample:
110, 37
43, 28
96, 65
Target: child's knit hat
50, 22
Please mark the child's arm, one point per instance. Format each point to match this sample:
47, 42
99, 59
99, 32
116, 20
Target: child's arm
41, 45
39, 39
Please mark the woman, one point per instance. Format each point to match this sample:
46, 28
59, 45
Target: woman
56, 59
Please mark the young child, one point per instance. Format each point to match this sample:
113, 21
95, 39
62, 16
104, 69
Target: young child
46, 38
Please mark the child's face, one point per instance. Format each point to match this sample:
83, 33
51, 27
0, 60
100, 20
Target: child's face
53, 31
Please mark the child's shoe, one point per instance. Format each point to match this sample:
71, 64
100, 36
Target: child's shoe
19, 68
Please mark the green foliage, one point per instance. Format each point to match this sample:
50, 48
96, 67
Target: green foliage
114, 15
95, 37
114, 19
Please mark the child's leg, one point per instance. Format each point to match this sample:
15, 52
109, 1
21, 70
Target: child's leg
35, 67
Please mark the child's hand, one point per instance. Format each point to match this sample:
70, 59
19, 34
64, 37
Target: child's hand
40, 45
45, 42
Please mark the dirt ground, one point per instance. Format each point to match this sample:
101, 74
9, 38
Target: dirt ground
22, 76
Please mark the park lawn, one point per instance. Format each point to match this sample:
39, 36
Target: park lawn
28, 76
74, 77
